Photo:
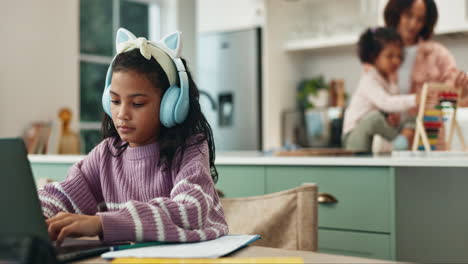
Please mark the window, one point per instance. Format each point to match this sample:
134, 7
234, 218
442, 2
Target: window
99, 21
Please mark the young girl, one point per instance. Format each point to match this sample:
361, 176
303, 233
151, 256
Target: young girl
153, 176
373, 104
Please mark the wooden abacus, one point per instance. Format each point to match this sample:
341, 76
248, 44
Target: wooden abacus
430, 119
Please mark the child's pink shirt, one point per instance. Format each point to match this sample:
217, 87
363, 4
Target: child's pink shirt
374, 93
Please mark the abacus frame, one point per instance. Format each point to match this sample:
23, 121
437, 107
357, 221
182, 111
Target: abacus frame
454, 126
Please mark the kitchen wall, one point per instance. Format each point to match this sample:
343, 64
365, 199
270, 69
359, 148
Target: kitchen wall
39, 61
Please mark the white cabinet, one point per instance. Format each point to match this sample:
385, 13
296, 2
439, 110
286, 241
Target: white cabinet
330, 23
453, 16
228, 15
318, 24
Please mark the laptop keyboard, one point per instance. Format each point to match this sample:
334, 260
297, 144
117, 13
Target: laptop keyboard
75, 255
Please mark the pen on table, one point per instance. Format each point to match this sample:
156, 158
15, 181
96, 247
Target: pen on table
147, 244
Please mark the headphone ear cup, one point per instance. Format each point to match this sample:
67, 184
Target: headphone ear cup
181, 109
167, 109
106, 101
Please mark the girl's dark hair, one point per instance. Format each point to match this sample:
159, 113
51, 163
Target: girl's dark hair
373, 40
175, 140
395, 8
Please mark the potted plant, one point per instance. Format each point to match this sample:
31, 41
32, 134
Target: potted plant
312, 99
313, 93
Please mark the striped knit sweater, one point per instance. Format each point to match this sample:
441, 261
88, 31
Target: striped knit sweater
138, 199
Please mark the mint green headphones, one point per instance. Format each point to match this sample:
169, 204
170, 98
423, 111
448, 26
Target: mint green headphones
175, 102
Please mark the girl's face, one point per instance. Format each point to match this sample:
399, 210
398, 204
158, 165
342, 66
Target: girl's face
412, 21
135, 108
389, 59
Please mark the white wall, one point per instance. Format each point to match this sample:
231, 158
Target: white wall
281, 71
38, 62
458, 46
186, 21
339, 62
181, 15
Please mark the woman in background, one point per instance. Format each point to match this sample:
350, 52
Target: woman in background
425, 59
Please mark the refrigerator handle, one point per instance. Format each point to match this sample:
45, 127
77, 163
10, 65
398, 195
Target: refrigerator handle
212, 101
226, 109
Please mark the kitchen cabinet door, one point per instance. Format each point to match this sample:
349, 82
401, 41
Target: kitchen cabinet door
364, 195
240, 181
453, 16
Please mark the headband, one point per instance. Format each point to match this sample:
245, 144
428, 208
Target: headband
150, 49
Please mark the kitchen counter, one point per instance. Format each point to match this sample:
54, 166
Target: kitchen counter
400, 159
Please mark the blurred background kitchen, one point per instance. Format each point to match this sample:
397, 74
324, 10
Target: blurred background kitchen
273, 74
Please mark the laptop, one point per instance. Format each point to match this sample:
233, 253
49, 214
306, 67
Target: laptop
21, 210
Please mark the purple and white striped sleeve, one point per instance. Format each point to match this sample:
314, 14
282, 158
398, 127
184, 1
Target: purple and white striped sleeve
77, 194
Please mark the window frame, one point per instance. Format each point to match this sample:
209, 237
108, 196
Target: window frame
155, 28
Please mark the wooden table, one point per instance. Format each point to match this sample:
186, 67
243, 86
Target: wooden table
309, 257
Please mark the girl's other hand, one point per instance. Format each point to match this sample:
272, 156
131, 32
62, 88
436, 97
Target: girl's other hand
432, 99
413, 111
393, 119
462, 80
73, 225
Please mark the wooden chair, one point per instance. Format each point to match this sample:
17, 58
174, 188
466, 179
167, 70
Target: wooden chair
286, 219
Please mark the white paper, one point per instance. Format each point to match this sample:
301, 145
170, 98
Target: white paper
207, 249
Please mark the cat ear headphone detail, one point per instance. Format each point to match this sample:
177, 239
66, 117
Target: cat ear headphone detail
175, 102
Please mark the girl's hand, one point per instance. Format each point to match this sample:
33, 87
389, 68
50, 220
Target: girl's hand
418, 99
413, 111
393, 119
462, 80
73, 225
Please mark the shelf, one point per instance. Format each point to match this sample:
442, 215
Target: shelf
347, 40
319, 43
451, 30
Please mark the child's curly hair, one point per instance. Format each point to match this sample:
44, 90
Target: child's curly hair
373, 40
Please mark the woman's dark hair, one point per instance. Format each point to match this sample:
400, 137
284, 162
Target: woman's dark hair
395, 8
175, 140
373, 40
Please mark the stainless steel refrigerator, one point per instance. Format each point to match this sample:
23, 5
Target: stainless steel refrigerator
228, 74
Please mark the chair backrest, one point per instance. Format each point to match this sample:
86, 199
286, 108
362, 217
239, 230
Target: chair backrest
286, 219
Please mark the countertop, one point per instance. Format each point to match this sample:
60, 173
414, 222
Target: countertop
399, 159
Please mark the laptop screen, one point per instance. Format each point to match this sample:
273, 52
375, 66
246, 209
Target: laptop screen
19, 203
